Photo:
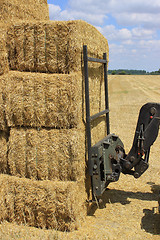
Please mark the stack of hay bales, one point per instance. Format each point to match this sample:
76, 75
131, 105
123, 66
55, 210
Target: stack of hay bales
42, 121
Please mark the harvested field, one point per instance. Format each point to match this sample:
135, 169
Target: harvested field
53, 46
42, 204
16, 10
127, 95
128, 205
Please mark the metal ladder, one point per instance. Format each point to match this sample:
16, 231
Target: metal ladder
90, 118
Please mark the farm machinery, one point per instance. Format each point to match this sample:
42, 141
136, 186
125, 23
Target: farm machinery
107, 159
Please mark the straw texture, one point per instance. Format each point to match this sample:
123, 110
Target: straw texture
37, 100
49, 100
55, 47
3, 152
47, 154
16, 10
43, 204
4, 67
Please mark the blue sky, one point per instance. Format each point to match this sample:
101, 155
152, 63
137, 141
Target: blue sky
132, 28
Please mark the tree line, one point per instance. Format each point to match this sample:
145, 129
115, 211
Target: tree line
132, 72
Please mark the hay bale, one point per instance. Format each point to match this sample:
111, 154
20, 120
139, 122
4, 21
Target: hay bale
17, 10
3, 152
2, 110
47, 154
55, 47
40, 100
47, 100
43, 204
17, 154
2, 123
4, 67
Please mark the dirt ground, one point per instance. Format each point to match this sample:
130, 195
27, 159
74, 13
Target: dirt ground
129, 206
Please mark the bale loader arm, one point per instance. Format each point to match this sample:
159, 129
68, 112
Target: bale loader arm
107, 158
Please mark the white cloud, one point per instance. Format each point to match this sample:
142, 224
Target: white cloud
131, 27
133, 12
128, 42
54, 11
116, 49
72, 14
143, 54
147, 20
150, 45
114, 34
125, 11
140, 33
134, 50
124, 33
135, 6
92, 6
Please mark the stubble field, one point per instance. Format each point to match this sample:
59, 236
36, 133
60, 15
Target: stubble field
128, 206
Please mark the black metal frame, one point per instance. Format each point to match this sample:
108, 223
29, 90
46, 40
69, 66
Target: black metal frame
90, 118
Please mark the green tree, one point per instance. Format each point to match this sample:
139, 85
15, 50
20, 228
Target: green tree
122, 73
113, 72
